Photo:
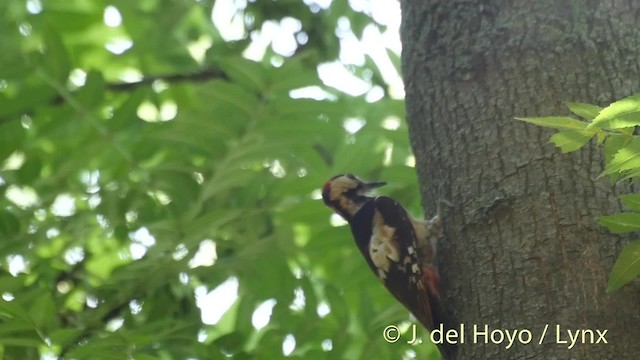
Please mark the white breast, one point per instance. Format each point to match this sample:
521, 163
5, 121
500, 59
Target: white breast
383, 248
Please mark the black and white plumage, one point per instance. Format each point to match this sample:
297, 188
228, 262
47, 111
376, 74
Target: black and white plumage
399, 249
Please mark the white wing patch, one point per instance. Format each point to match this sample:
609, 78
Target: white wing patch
383, 248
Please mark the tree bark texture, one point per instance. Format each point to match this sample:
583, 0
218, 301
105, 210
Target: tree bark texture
523, 247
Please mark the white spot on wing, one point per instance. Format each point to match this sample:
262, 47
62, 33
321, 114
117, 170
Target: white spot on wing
415, 269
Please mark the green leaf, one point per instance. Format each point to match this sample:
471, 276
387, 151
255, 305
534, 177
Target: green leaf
556, 122
13, 327
286, 129
231, 179
146, 357
14, 310
631, 174
11, 283
231, 343
125, 115
64, 336
234, 95
356, 157
613, 144
631, 201
620, 114
627, 130
571, 140
109, 347
30, 170
12, 135
21, 341
91, 94
43, 311
626, 268
586, 111
9, 224
249, 74
292, 75
621, 223
55, 60
305, 107
73, 20
626, 158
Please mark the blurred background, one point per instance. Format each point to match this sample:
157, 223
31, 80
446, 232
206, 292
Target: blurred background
160, 172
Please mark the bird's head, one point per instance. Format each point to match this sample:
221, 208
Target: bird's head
346, 193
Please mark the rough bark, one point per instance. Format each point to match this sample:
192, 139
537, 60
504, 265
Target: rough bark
523, 247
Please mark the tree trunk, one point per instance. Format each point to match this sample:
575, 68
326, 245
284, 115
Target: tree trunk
523, 247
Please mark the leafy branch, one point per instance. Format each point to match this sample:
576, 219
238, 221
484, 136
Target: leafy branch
204, 75
614, 128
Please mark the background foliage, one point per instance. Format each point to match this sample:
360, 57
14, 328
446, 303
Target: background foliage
148, 158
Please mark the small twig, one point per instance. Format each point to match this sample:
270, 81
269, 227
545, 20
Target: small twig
207, 74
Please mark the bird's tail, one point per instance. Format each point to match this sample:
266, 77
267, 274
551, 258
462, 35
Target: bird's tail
432, 313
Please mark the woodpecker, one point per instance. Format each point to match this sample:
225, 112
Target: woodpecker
399, 249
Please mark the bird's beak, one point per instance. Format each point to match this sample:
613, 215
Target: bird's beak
373, 185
